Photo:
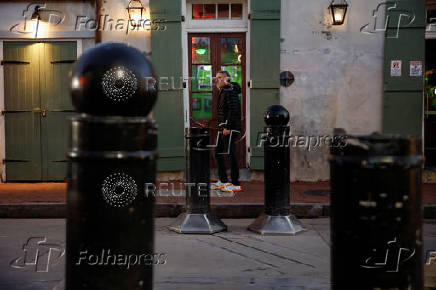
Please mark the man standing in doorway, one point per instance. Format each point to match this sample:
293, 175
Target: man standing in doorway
229, 123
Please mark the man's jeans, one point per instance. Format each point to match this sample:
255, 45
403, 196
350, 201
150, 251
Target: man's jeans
222, 149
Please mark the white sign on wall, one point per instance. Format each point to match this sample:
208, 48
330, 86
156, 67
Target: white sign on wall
416, 68
395, 68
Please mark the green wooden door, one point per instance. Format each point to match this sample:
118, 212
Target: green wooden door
264, 69
22, 106
55, 63
166, 46
36, 139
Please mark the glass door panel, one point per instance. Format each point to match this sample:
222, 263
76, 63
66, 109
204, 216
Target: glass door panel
235, 72
202, 106
201, 78
231, 50
200, 50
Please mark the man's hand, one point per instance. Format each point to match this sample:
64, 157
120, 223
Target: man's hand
226, 132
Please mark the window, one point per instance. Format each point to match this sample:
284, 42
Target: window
203, 11
217, 11
223, 11
236, 11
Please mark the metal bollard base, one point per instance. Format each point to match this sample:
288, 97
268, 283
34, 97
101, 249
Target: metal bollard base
189, 223
268, 225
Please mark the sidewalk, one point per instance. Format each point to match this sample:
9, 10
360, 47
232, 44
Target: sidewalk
308, 200
301, 192
234, 260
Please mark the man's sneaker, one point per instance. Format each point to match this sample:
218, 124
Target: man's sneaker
231, 187
218, 185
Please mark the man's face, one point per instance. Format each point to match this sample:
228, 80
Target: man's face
221, 80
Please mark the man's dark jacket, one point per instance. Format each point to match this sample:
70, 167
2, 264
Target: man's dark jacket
229, 107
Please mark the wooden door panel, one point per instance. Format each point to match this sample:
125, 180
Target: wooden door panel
167, 46
56, 63
21, 79
22, 116
23, 147
55, 131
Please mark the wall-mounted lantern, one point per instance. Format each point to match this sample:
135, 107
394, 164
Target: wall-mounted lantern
339, 10
35, 15
135, 10
37, 27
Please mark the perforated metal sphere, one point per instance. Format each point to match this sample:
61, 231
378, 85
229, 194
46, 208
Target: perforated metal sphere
276, 115
113, 79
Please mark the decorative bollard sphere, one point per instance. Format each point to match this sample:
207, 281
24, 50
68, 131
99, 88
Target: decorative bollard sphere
276, 115
113, 79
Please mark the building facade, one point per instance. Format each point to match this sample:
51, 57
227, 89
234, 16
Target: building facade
365, 75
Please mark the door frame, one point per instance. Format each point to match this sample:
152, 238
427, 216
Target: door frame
243, 64
79, 48
187, 28
215, 100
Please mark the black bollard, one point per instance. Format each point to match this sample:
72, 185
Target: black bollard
112, 156
376, 229
277, 218
198, 218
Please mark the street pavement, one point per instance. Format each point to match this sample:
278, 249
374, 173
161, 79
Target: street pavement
236, 259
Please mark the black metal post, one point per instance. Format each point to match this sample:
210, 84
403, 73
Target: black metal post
112, 156
376, 229
197, 171
277, 218
198, 218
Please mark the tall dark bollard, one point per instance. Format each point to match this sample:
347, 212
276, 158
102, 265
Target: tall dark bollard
112, 156
277, 218
198, 218
376, 230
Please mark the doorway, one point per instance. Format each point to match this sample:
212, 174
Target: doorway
208, 54
37, 104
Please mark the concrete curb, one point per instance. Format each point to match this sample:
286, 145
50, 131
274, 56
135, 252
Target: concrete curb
222, 210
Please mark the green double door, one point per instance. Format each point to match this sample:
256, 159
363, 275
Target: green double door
37, 105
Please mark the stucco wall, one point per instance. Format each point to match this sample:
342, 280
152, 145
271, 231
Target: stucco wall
12, 14
140, 39
338, 77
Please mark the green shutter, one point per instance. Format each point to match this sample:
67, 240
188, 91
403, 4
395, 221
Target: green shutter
405, 41
166, 56
264, 69
22, 120
56, 100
